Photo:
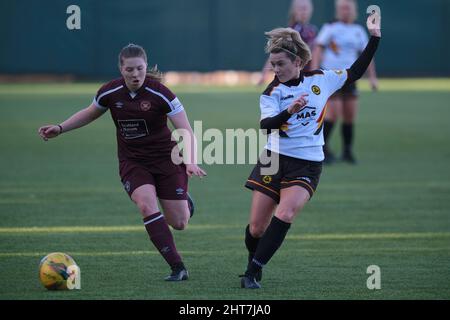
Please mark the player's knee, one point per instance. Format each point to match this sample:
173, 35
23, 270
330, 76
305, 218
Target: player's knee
178, 218
287, 214
180, 224
257, 230
145, 207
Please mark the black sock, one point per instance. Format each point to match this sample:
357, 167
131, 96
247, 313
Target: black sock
347, 136
251, 243
327, 129
268, 245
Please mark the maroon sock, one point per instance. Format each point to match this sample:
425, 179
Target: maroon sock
162, 238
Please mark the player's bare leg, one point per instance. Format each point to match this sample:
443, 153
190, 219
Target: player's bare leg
145, 199
157, 228
292, 201
176, 213
260, 213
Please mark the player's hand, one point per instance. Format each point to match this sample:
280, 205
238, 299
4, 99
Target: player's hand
195, 170
298, 104
374, 24
49, 131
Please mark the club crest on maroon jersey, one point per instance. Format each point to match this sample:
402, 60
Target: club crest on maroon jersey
145, 105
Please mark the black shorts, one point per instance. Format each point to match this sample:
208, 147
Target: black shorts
348, 90
292, 172
170, 180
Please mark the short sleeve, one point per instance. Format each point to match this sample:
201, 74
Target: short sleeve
175, 106
324, 36
171, 104
103, 96
100, 99
335, 79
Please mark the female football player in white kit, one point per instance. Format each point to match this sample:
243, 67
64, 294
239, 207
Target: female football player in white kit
338, 45
293, 106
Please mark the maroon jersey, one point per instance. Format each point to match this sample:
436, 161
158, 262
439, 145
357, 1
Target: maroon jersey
140, 118
308, 32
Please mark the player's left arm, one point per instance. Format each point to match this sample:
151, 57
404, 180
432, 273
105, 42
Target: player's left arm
181, 123
371, 72
360, 66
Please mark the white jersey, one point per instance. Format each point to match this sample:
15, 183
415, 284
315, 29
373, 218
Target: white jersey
302, 135
343, 43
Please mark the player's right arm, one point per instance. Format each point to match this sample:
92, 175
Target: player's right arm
78, 120
361, 64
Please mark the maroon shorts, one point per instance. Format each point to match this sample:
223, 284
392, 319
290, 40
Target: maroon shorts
170, 180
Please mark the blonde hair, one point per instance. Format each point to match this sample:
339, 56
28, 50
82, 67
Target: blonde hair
354, 4
291, 16
136, 51
289, 41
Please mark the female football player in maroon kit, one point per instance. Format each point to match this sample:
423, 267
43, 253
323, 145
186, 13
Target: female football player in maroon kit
140, 105
299, 19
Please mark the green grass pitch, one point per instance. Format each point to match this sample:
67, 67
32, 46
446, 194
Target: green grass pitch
391, 210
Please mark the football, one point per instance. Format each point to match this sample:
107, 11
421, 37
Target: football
58, 271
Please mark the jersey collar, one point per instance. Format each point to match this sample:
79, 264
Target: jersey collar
138, 91
294, 82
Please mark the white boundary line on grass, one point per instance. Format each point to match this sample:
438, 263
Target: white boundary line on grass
304, 251
311, 236
98, 229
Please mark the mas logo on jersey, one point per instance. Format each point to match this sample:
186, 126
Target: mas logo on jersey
338, 72
306, 115
315, 89
267, 179
145, 105
118, 105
